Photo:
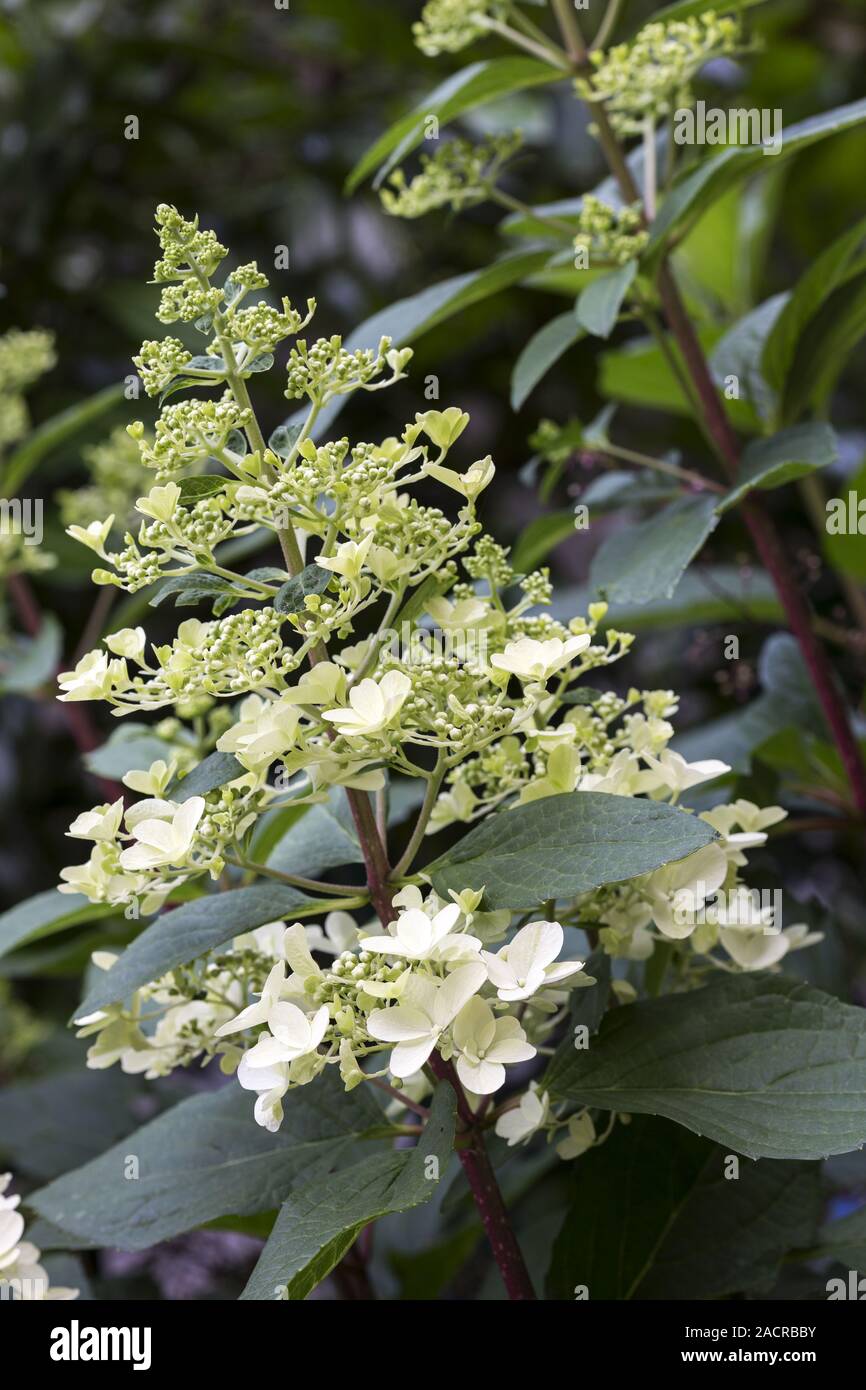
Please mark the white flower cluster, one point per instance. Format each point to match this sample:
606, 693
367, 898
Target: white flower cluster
301, 689
22, 1277
425, 983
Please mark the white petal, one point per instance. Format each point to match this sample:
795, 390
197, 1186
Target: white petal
409, 1057
398, 1024
481, 1077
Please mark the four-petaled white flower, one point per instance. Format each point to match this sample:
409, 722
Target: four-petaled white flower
129, 642
675, 773
94, 677
484, 1043
266, 729
349, 557
678, 892
519, 1125
755, 950
93, 536
538, 661
160, 502
427, 1008
415, 936
164, 839
102, 823
292, 1035
581, 1136
374, 704
525, 965
468, 484
253, 1014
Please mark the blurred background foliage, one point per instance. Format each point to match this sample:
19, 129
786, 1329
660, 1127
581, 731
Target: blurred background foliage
253, 116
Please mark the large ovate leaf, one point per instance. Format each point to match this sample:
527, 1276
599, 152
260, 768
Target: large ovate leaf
203, 1159
542, 351
659, 1213
560, 846
712, 177
792, 453
185, 933
463, 91
761, 1063
647, 559
44, 914
318, 1223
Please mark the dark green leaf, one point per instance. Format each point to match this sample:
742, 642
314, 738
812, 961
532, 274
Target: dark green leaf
313, 579
541, 352
760, 1063
564, 845
656, 1215
739, 355
46, 913
700, 188
825, 350
212, 772
793, 453
647, 559
598, 306
204, 1159
320, 1222
65, 1119
203, 485
824, 275
189, 589
468, 88
186, 932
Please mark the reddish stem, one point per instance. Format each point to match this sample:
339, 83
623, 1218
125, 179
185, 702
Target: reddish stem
766, 541
486, 1193
761, 528
473, 1154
